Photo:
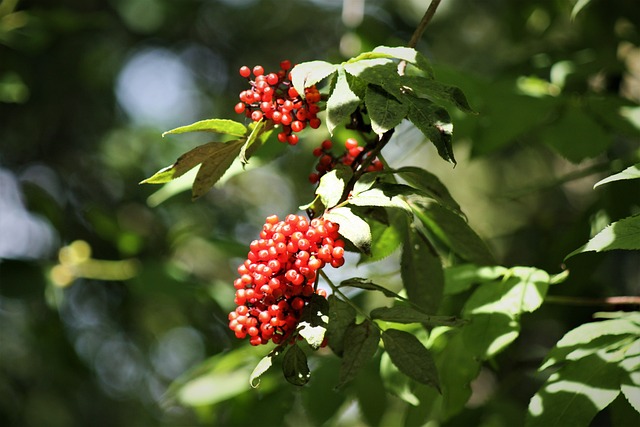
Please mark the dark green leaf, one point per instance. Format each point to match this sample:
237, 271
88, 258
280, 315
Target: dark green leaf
449, 227
421, 272
384, 110
360, 344
253, 142
438, 92
410, 357
294, 366
215, 166
428, 183
341, 103
395, 382
406, 314
332, 185
434, 123
341, 316
385, 238
366, 284
623, 234
352, 227
383, 195
223, 126
380, 72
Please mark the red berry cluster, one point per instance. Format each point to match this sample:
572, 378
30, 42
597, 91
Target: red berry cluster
273, 97
277, 279
327, 161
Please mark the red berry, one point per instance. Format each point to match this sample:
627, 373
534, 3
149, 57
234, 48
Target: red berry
245, 71
258, 70
239, 108
256, 116
350, 143
285, 65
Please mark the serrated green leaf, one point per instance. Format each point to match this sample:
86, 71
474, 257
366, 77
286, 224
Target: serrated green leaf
459, 278
314, 321
383, 195
407, 54
384, 110
379, 72
575, 394
332, 185
215, 166
434, 122
421, 272
438, 92
307, 74
352, 227
360, 344
341, 103
428, 183
449, 227
294, 366
341, 316
367, 284
224, 126
253, 142
487, 334
410, 357
262, 367
622, 234
385, 238
406, 314
632, 172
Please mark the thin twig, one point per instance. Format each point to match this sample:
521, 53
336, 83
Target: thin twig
428, 15
617, 300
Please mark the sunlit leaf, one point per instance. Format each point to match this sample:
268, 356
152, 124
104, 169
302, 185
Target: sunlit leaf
632, 172
352, 227
314, 321
383, 195
332, 185
407, 54
396, 382
577, 7
428, 183
262, 367
224, 126
459, 278
360, 344
434, 122
367, 284
406, 314
438, 92
341, 103
410, 357
622, 234
307, 74
253, 142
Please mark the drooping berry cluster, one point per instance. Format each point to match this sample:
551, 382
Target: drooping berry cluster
273, 97
277, 279
327, 161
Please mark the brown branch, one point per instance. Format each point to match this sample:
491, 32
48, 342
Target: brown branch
417, 34
608, 301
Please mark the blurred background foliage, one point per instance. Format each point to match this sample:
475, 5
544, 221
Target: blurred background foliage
110, 291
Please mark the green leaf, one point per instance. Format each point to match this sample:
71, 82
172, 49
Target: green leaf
341, 103
576, 135
215, 166
186, 162
577, 7
410, 357
409, 55
428, 183
395, 382
385, 238
352, 227
383, 195
632, 172
421, 272
384, 110
487, 334
314, 321
341, 316
332, 185
224, 126
307, 74
406, 314
368, 285
380, 72
459, 278
294, 366
449, 227
434, 123
575, 394
622, 234
262, 367
360, 344
250, 145
438, 92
